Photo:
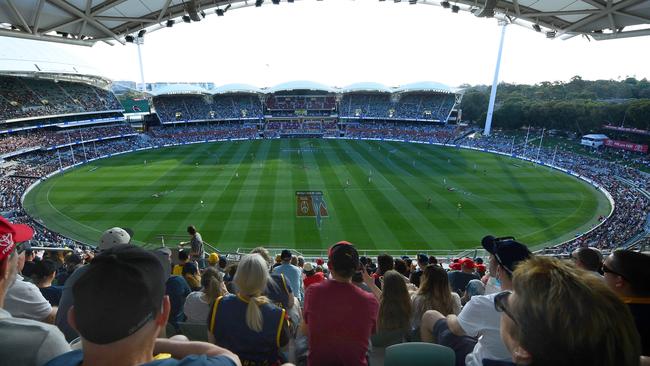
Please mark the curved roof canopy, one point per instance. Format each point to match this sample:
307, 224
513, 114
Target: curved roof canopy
300, 85
236, 88
88, 21
366, 87
424, 86
176, 89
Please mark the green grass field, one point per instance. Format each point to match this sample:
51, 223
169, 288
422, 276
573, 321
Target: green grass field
248, 189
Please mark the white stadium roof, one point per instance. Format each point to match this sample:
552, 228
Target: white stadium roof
88, 21
366, 87
175, 89
424, 86
236, 88
300, 85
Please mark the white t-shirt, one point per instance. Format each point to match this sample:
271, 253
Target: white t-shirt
196, 308
24, 300
479, 319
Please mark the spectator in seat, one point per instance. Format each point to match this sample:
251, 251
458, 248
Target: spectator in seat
112, 237
478, 319
119, 325
292, 273
191, 275
339, 317
394, 304
213, 260
627, 273
548, 295
459, 279
247, 323
385, 263
70, 264
311, 276
423, 261
24, 300
589, 259
30, 262
42, 276
197, 303
434, 293
183, 258
25, 342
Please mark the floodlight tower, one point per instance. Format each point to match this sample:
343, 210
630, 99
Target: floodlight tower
138, 40
495, 81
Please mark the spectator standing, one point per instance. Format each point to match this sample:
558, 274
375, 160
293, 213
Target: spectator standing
197, 253
339, 315
119, 324
25, 342
292, 273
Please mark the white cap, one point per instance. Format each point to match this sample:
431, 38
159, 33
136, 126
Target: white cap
113, 237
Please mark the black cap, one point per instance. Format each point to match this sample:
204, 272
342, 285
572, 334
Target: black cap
286, 254
343, 257
120, 292
507, 251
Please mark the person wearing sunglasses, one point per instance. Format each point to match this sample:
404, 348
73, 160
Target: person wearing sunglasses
24, 341
559, 315
474, 333
627, 273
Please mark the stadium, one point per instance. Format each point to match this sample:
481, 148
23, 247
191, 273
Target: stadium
379, 187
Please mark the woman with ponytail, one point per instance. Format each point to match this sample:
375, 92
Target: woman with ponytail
197, 303
247, 323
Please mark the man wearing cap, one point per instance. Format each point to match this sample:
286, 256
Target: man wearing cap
478, 319
459, 279
292, 273
25, 342
339, 317
110, 238
119, 325
311, 276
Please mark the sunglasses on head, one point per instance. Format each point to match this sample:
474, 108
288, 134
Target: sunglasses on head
501, 304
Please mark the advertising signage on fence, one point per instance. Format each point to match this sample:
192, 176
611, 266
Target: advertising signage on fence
627, 129
624, 145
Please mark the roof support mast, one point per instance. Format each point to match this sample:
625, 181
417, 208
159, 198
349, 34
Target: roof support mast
495, 82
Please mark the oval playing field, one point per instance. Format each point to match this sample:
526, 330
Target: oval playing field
378, 195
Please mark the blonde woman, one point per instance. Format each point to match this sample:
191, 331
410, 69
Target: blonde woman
247, 323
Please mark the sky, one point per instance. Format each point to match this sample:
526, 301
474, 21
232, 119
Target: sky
340, 42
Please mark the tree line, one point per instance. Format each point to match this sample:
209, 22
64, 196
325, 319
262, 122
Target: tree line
579, 105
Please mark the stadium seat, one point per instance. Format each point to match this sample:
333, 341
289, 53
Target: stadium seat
419, 354
194, 331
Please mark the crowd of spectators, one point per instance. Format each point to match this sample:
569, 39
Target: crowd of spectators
46, 138
22, 97
411, 106
301, 103
195, 132
404, 131
197, 108
257, 311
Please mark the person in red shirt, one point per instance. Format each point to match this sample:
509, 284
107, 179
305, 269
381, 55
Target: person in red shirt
311, 276
338, 316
